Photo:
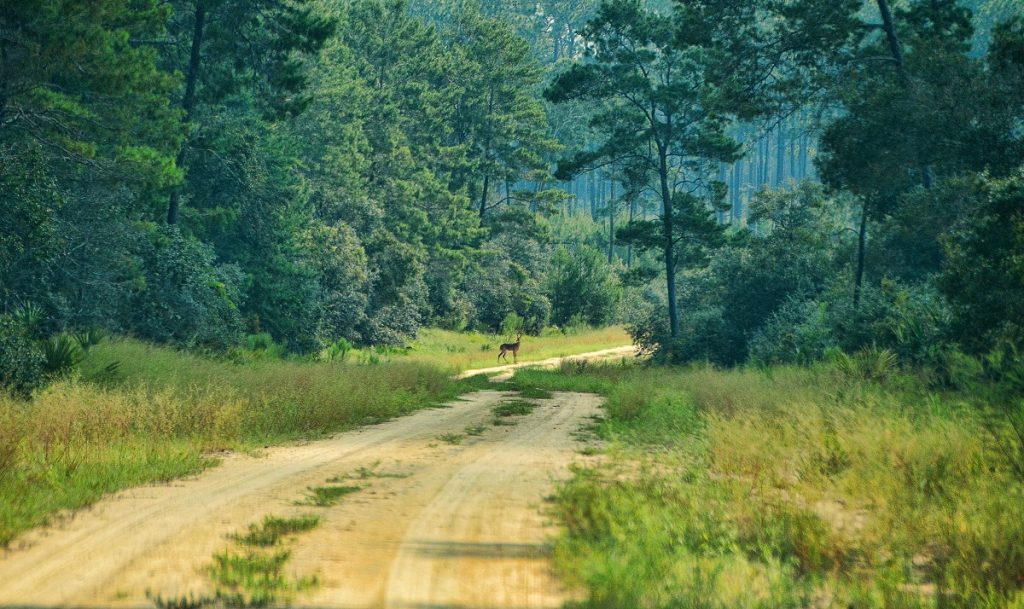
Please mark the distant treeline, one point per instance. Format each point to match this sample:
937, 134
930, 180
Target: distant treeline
194, 171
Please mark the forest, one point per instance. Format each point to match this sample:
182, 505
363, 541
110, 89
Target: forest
743, 183
228, 224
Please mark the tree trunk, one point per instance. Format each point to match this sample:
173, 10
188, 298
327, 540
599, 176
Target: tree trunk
861, 246
780, 157
483, 196
889, 25
188, 102
804, 145
629, 248
670, 255
611, 224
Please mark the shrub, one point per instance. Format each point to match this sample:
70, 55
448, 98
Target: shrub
581, 285
21, 360
61, 353
798, 333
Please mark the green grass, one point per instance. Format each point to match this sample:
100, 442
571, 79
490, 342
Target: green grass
514, 408
273, 529
475, 430
256, 579
452, 438
163, 412
256, 575
326, 496
465, 351
534, 393
790, 488
372, 471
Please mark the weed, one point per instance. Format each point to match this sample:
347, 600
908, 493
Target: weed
452, 438
87, 339
534, 393
325, 496
273, 529
364, 472
256, 579
475, 430
514, 408
60, 354
191, 601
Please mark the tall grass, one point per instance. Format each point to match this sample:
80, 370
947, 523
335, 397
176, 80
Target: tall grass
140, 413
790, 488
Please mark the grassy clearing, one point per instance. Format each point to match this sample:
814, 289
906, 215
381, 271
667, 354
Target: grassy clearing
466, 351
161, 413
791, 488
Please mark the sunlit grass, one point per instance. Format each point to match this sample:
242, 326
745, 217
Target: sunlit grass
465, 351
790, 488
161, 413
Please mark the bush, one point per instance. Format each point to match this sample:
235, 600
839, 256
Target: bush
61, 353
983, 277
581, 285
21, 360
798, 333
185, 297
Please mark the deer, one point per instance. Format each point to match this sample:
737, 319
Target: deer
513, 347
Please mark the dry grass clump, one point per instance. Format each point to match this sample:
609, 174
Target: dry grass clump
791, 488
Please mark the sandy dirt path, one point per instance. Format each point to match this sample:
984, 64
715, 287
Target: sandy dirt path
504, 372
436, 525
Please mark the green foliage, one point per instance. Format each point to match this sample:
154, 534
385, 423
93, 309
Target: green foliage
87, 339
61, 353
273, 529
324, 496
583, 287
21, 360
771, 488
338, 350
983, 276
186, 296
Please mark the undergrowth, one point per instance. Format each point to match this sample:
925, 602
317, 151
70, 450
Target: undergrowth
791, 487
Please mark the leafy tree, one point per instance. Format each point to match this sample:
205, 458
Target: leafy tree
983, 275
498, 117
231, 47
75, 82
582, 286
657, 115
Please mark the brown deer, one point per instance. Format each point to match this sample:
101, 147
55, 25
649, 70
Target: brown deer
513, 347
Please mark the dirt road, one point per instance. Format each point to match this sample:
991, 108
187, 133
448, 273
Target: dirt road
435, 525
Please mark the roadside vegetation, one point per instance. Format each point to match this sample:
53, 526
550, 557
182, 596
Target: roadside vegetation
161, 414
793, 487
128, 412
